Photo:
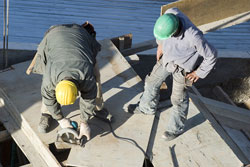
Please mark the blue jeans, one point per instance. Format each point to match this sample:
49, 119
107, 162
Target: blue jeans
179, 97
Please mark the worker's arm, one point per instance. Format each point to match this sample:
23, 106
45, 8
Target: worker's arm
49, 99
99, 98
39, 61
208, 52
87, 102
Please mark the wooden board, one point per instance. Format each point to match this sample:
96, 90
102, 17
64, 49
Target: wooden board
122, 42
121, 86
25, 92
228, 111
20, 137
200, 145
226, 133
206, 11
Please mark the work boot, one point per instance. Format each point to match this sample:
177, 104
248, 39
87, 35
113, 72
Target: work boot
103, 114
169, 136
44, 123
134, 109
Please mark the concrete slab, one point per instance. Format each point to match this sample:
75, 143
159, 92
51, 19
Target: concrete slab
200, 145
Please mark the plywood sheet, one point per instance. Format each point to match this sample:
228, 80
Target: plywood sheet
200, 145
125, 143
206, 11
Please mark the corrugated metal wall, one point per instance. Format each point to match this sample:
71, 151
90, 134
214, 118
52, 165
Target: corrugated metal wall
29, 19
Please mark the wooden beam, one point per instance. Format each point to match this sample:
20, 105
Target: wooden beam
206, 11
224, 23
23, 125
228, 111
20, 138
222, 131
139, 47
222, 96
123, 42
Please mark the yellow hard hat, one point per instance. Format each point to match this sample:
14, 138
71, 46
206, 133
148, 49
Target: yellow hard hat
66, 92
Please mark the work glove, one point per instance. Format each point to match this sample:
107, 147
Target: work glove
84, 131
65, 123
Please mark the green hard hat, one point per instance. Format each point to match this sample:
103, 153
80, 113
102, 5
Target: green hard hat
165, 26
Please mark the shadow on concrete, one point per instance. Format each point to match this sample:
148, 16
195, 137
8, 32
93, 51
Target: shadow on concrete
194, 121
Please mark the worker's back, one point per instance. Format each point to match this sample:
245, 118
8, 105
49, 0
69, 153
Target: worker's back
70, 51
70, 42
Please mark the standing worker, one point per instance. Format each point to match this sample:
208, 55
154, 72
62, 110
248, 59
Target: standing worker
66, 57
180, 43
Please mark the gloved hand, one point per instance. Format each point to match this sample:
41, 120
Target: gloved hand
65, 123
159, 52
84, 131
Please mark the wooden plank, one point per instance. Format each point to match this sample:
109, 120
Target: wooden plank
227, 22
234, 124
126, 41
38, 145
206, 11
221, 130
27, 98
228, 111
222, 96
20, 138
139, 47
198, 146
125, 144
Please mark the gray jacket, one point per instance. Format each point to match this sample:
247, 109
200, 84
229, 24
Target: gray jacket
67, 51
185, 49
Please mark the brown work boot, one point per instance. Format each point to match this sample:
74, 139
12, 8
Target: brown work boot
44, 123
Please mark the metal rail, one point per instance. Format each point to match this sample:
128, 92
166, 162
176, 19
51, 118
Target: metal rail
5, 34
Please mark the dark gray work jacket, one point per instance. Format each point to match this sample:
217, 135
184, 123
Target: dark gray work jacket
67, 51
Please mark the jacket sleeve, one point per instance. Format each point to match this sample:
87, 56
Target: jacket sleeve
209, 54
88, 91
49, 99
41, 59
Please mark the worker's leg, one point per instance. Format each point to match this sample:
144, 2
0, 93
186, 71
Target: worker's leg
56, 115
179, 99
45, 119
44, 109
99, 98
150, 97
